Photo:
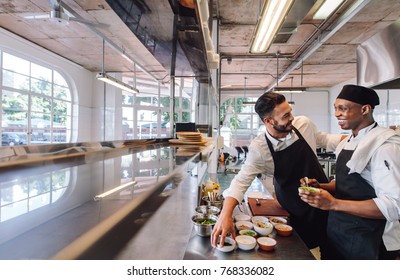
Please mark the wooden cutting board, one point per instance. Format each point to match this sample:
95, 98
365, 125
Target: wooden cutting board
267, 207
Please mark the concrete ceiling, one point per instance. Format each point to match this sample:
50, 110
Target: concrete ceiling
315, 54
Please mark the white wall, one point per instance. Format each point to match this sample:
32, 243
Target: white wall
314, 105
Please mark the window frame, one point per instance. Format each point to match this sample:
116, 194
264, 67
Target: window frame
50, 129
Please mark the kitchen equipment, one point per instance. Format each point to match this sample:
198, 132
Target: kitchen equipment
267, 207
204, 223
218, 202
207, 209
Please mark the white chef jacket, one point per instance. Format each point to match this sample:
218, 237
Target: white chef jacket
383, 174
259, 159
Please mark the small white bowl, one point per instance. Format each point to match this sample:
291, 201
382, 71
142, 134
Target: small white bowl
229, 245
277, 220
242, 217
262, 219
246, 242
243, 225
263, 228
248, 232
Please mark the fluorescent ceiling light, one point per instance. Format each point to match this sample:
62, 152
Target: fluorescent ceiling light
289, 89
272, 17
117, 83
327, 8
119, 188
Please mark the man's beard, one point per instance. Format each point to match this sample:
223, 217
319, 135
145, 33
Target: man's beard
283, 128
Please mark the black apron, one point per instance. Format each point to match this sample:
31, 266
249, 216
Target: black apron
353, 237
295, 162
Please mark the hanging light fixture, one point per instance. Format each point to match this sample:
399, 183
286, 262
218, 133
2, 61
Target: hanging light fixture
102, 76
244, 94
327, 8
290, 89
272, 17
117, 83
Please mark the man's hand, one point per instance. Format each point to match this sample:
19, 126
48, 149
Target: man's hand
311, 182
322, 199
224, 225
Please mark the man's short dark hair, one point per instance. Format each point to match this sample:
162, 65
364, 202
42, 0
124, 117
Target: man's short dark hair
267, 102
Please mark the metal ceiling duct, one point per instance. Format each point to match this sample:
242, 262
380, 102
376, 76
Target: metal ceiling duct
378, 59
157, 24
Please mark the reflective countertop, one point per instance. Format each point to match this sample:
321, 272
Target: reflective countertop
79, 198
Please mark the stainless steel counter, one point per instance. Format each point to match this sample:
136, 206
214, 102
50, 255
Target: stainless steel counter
86, 201
287, 248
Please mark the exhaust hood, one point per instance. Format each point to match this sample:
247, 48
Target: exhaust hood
378, 59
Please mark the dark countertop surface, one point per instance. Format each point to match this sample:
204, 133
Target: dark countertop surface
49, 199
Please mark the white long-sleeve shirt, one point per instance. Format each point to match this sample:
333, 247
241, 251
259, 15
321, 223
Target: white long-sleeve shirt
383, 174
259, 159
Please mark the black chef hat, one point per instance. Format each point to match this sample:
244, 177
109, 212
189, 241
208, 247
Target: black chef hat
360, 95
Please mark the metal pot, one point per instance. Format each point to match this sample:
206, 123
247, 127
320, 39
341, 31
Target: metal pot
218, 203
207, 209
200, 227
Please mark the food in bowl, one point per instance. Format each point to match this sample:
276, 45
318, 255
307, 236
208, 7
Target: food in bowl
304, 189
248, 232
263, 228
266, 243
203, 223
229, 245
263, 219
283, 230
277, 220
246, 242
242, 217
243, 225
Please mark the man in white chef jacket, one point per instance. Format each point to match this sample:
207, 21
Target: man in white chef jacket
364, 210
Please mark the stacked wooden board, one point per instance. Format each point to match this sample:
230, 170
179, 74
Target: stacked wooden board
189, 138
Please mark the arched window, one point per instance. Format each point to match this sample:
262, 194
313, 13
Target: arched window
36, 105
